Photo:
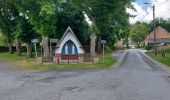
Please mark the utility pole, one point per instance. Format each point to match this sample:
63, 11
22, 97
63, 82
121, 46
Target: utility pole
155, 49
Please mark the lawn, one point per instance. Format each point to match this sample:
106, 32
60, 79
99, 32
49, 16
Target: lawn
161, 59
29, 63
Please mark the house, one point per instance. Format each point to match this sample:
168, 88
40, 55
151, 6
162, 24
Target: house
162, 36
123, 44
69, 49
119, 44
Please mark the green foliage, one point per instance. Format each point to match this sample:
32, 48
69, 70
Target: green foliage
161, 59
24, 31
138, 32
108, 49
41, 14
149, 47
47, 9
8, 15
160, 22
1, 38
70, 16
3, 49
109, 17
29, 63
50, 18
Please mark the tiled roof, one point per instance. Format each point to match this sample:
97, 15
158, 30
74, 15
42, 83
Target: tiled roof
159, 40
161, 33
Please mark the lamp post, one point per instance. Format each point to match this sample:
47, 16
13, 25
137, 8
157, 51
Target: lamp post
155, 49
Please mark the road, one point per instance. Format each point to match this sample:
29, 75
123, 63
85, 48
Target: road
134, 79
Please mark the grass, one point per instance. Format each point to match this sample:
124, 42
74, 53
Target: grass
161, 59
29, 63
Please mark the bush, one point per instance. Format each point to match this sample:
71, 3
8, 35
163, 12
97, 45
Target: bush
108, 49
148, 47
3, 49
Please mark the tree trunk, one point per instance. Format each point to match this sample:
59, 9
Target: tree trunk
93, 44
126, 42
10, 44
99, 44
138, 44
18, 47
45, 46
93, 38
10, 48
29, 49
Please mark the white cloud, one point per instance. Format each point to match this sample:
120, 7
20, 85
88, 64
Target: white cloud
140, 13
162, 9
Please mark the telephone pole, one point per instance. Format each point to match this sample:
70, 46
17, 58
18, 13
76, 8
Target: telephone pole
155, 49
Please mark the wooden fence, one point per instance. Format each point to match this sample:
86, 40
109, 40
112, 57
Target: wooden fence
164, 52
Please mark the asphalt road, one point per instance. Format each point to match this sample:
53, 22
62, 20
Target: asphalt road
134, 79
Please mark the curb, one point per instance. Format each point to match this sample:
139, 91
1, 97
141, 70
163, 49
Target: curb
156, 63
120, 60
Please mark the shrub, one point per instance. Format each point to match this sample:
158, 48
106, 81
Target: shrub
3, 49
148, 47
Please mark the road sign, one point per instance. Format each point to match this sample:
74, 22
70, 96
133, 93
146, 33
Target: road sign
34, 41
103, 41
53, 40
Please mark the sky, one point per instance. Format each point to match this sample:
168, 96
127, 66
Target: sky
145, 12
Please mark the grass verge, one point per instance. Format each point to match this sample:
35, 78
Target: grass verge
159, 58
29, 63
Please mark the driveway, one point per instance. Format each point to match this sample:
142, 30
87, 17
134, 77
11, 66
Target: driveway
134, 79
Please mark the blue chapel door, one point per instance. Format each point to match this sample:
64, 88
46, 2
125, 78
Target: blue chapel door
69, 51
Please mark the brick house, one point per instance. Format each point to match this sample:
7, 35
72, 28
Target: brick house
162, 36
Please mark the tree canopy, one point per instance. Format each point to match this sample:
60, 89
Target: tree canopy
49, 18
165, 23
8, 16
106, 16
138, 32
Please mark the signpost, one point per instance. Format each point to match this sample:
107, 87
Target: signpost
103, 42
41, 49
35, 41
52, 41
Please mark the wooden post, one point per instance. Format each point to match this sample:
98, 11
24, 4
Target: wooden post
103, 52
155, 48
35, 49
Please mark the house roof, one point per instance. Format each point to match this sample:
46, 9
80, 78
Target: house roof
161, 33
165, 40
69, 30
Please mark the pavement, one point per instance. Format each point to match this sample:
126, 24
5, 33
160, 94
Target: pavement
134, 79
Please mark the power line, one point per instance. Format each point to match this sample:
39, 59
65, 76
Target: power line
162, 3
146, 15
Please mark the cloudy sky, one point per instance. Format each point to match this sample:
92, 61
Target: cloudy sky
144, 12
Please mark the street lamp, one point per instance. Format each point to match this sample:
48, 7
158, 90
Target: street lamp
155, 50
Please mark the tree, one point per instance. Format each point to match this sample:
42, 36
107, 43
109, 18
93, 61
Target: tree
42, 15
70, 16
138, 32
24, 33
102, 14
8, 14
160, 22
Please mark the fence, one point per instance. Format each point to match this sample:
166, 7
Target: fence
164, 51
